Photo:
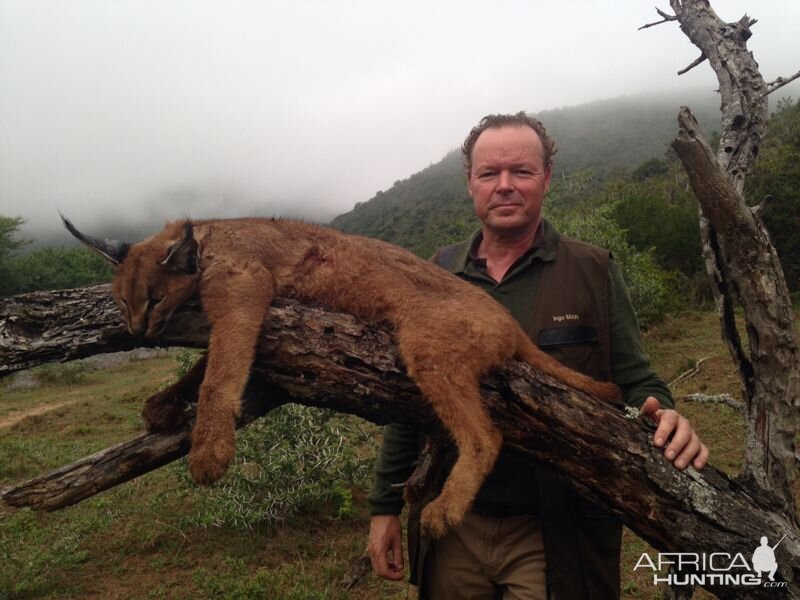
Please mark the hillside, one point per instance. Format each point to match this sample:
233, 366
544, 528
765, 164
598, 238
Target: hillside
431, 207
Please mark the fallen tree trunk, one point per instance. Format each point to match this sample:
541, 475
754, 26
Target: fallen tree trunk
314, 357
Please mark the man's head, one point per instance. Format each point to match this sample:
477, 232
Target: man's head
508, 159
519, 119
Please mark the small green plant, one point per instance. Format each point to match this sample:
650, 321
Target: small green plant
344, 499
184, 360
295, 459
71, 373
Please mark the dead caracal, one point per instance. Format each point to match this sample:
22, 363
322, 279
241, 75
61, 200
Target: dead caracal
449, 333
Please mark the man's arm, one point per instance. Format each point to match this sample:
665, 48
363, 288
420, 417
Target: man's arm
398, 453
641, 387
630, 367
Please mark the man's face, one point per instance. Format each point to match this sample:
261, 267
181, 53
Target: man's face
508, 180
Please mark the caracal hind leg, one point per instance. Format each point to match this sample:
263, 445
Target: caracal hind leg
166, 410
236, 303
456, 401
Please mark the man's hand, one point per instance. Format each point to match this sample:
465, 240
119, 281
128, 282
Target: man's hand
385, 546
685, 446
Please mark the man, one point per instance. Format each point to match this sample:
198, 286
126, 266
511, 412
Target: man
529, 536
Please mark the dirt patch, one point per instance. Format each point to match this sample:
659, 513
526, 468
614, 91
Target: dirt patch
15, 417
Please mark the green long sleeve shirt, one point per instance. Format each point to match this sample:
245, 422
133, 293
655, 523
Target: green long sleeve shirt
510, 481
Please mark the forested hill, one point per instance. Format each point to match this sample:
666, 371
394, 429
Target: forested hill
431, 207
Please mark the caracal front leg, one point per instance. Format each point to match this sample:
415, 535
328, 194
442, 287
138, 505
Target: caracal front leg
235, 299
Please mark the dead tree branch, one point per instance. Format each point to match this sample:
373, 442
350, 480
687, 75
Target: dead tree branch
758, 208
780, 82
689, 373
666, 18
725, 399
699, 60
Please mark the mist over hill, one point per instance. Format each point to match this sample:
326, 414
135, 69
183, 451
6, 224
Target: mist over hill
431, 207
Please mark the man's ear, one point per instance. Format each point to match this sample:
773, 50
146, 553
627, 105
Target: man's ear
548, 173
182, 255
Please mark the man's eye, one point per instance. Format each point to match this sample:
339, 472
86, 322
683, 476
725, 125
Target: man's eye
486, 175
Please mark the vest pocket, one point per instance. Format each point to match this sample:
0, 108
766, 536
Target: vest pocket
557, 337
576, 346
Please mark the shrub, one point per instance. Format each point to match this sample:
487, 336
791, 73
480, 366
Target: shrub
71, 373
185, 359
295, 459
648, 284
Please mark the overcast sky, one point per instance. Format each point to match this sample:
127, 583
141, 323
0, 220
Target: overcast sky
126, 109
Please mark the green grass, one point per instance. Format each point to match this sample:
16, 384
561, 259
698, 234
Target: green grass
141, 540
99, 412
138, 540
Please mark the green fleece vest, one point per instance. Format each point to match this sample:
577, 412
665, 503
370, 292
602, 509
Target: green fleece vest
569, 320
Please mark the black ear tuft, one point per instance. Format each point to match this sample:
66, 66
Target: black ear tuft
112, 250
182, 255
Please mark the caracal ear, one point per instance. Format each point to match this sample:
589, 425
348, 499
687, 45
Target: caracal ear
112, 250
182, 255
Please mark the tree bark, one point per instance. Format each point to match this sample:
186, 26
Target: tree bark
740, 259
314, 357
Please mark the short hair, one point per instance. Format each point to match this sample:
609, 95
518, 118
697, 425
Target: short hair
518, 120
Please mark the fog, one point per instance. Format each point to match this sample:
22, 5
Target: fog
127, 113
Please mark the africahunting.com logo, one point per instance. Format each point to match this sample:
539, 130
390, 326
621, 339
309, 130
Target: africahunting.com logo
715, 568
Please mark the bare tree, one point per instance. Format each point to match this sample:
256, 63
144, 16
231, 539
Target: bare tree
740, 259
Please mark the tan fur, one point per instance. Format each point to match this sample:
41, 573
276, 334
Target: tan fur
449, 332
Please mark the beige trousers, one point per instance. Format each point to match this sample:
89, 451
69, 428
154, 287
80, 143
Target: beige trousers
487, 558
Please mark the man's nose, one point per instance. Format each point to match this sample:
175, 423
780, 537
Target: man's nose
504, 182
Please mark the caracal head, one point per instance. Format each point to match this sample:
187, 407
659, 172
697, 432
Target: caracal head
151, 278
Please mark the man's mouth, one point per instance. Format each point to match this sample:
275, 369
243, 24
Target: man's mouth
503, 205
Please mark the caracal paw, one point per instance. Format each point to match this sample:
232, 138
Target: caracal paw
438, 517
162, 412
210, 455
